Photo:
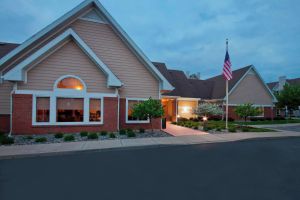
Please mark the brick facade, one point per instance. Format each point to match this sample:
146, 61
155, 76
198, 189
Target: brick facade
156, 123
22, 118
4, 123
268, 113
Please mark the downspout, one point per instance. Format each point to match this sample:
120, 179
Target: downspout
15, 87
118, 122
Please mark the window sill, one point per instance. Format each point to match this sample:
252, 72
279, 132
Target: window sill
67, 124
137, 122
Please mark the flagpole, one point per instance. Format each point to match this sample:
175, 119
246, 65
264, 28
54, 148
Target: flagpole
227, 92
227, 104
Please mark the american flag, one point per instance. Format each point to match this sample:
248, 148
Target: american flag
227, 66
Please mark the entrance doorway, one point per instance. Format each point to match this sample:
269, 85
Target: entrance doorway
169, 106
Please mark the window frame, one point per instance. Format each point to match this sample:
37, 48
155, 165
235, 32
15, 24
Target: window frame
126, 114
68, 93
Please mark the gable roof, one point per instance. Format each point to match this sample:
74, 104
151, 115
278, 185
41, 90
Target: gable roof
164, 84
18, 73
219, 90
212, 88
5, 48
295, 81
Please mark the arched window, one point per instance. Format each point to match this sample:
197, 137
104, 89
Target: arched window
70, 83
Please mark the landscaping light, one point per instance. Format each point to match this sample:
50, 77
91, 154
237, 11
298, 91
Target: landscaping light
205, 119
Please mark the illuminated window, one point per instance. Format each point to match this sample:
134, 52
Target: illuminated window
42, 109
70, 83
95, 110
69, 109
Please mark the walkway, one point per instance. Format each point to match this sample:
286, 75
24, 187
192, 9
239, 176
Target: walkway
58, 148
182, 131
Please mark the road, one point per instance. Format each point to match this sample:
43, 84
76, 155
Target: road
257, 169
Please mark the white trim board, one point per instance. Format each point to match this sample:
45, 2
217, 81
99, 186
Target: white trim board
18, 73
165, 85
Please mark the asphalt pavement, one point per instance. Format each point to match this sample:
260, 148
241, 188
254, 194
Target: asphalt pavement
253, 169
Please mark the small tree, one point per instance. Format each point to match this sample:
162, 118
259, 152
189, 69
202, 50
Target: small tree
208, 109
247, 110
149, 109
289, 96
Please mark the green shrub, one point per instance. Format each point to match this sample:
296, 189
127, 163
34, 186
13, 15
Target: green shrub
6, 140
69, 138
40, 139
245, 129
129, 130
122, 132
196, 127
232, 129
59, 135
112, 135
103, 133
219, 129
131, 134
93, 136
206, 128
175, 123
29, 137
142, 130
84, 133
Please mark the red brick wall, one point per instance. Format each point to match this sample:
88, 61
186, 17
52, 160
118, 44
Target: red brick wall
268, 113
156, 123
4, 123
22, 118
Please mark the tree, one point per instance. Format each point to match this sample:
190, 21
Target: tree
208, 109
289, 96
149, 109
247, 110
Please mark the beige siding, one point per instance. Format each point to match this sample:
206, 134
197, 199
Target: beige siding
5, 90
138, 81
251, 90
68, 60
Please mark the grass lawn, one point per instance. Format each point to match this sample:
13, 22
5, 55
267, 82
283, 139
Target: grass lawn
287, 121
220, 125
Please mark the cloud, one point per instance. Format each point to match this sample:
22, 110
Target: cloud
189, 36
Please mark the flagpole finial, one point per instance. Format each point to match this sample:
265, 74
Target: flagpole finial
227, 44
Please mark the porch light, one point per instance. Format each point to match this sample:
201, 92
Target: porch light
205, 119
185, 109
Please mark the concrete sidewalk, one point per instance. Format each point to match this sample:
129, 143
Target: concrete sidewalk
45, 149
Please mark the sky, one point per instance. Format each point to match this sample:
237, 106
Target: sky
186, 35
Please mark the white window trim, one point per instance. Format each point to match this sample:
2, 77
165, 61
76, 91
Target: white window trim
66, 93
135, 121
53, 112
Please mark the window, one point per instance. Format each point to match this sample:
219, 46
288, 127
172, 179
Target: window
262, 112
70, 104
42, 109
129, 107
95, 110
69, 110
70, 83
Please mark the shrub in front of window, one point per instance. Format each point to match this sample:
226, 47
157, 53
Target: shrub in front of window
122, 132
112, 135
59, 135
84, 133
93, 136
142, 130
103, 133
149, 109
69, 138
41, 140
6, 140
